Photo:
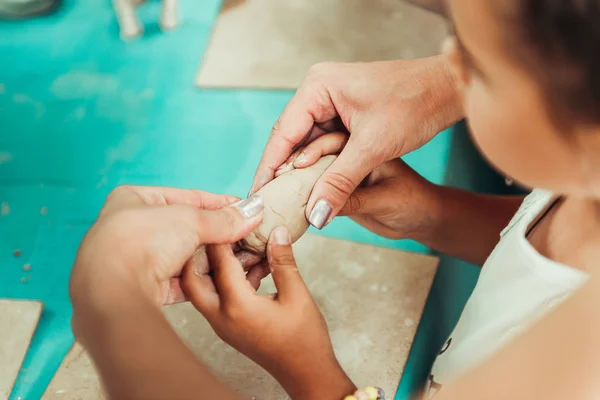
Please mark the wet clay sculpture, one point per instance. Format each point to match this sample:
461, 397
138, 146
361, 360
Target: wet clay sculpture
285, 199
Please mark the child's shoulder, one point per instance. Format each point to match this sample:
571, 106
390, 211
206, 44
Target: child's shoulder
537, 197
531, 206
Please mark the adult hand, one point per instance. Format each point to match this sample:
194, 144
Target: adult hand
128, 265
284, 333
387, 108
147, 234
393, 201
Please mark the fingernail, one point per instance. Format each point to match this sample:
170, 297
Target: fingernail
320, 213
285, 168
281, 235
300, 159
251, 206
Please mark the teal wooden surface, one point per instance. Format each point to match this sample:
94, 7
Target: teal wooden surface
82, 112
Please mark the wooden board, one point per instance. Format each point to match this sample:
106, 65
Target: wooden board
19, 321
371, 297
272, 43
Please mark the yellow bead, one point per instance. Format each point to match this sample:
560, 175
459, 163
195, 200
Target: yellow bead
372, 392
361, 395
350, 398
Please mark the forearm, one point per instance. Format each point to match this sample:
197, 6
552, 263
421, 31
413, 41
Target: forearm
468, 225
437, 6
138, 355
558, 358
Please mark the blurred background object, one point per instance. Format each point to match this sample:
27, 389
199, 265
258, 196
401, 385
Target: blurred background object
128, 20
19, 9
288, 37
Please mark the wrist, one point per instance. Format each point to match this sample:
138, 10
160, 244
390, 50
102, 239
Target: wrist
437, 105
316, 381
443, 101
436, 215
98, 292
427, 213
100, 300
138, 354
104, 273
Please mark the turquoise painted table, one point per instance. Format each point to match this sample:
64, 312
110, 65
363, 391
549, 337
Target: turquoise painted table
82, 112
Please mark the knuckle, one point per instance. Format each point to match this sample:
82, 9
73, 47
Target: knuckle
152, 196
280, 136
320, 103
354, 204
289, 143
119, 191
341, 185
122, 189
321, 68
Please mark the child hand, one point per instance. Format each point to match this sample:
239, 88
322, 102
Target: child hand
284, 333
147, 234
395, 202
129, 263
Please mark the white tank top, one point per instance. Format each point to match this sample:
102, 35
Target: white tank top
515, 288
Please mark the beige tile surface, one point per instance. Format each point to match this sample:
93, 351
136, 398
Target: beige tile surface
19, 318
272, 43
75, 378
372, 299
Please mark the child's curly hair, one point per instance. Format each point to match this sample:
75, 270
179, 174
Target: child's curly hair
560, 41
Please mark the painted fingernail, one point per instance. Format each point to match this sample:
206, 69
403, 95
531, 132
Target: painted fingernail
320, 213
300, 159
281, 235
251, 206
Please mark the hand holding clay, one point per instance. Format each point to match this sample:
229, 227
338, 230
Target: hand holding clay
285, 200
164, 228
388, 108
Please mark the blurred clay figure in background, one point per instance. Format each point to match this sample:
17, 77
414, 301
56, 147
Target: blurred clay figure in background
25, 9
128, 21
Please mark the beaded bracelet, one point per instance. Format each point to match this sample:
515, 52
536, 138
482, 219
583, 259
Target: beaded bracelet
368, 393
